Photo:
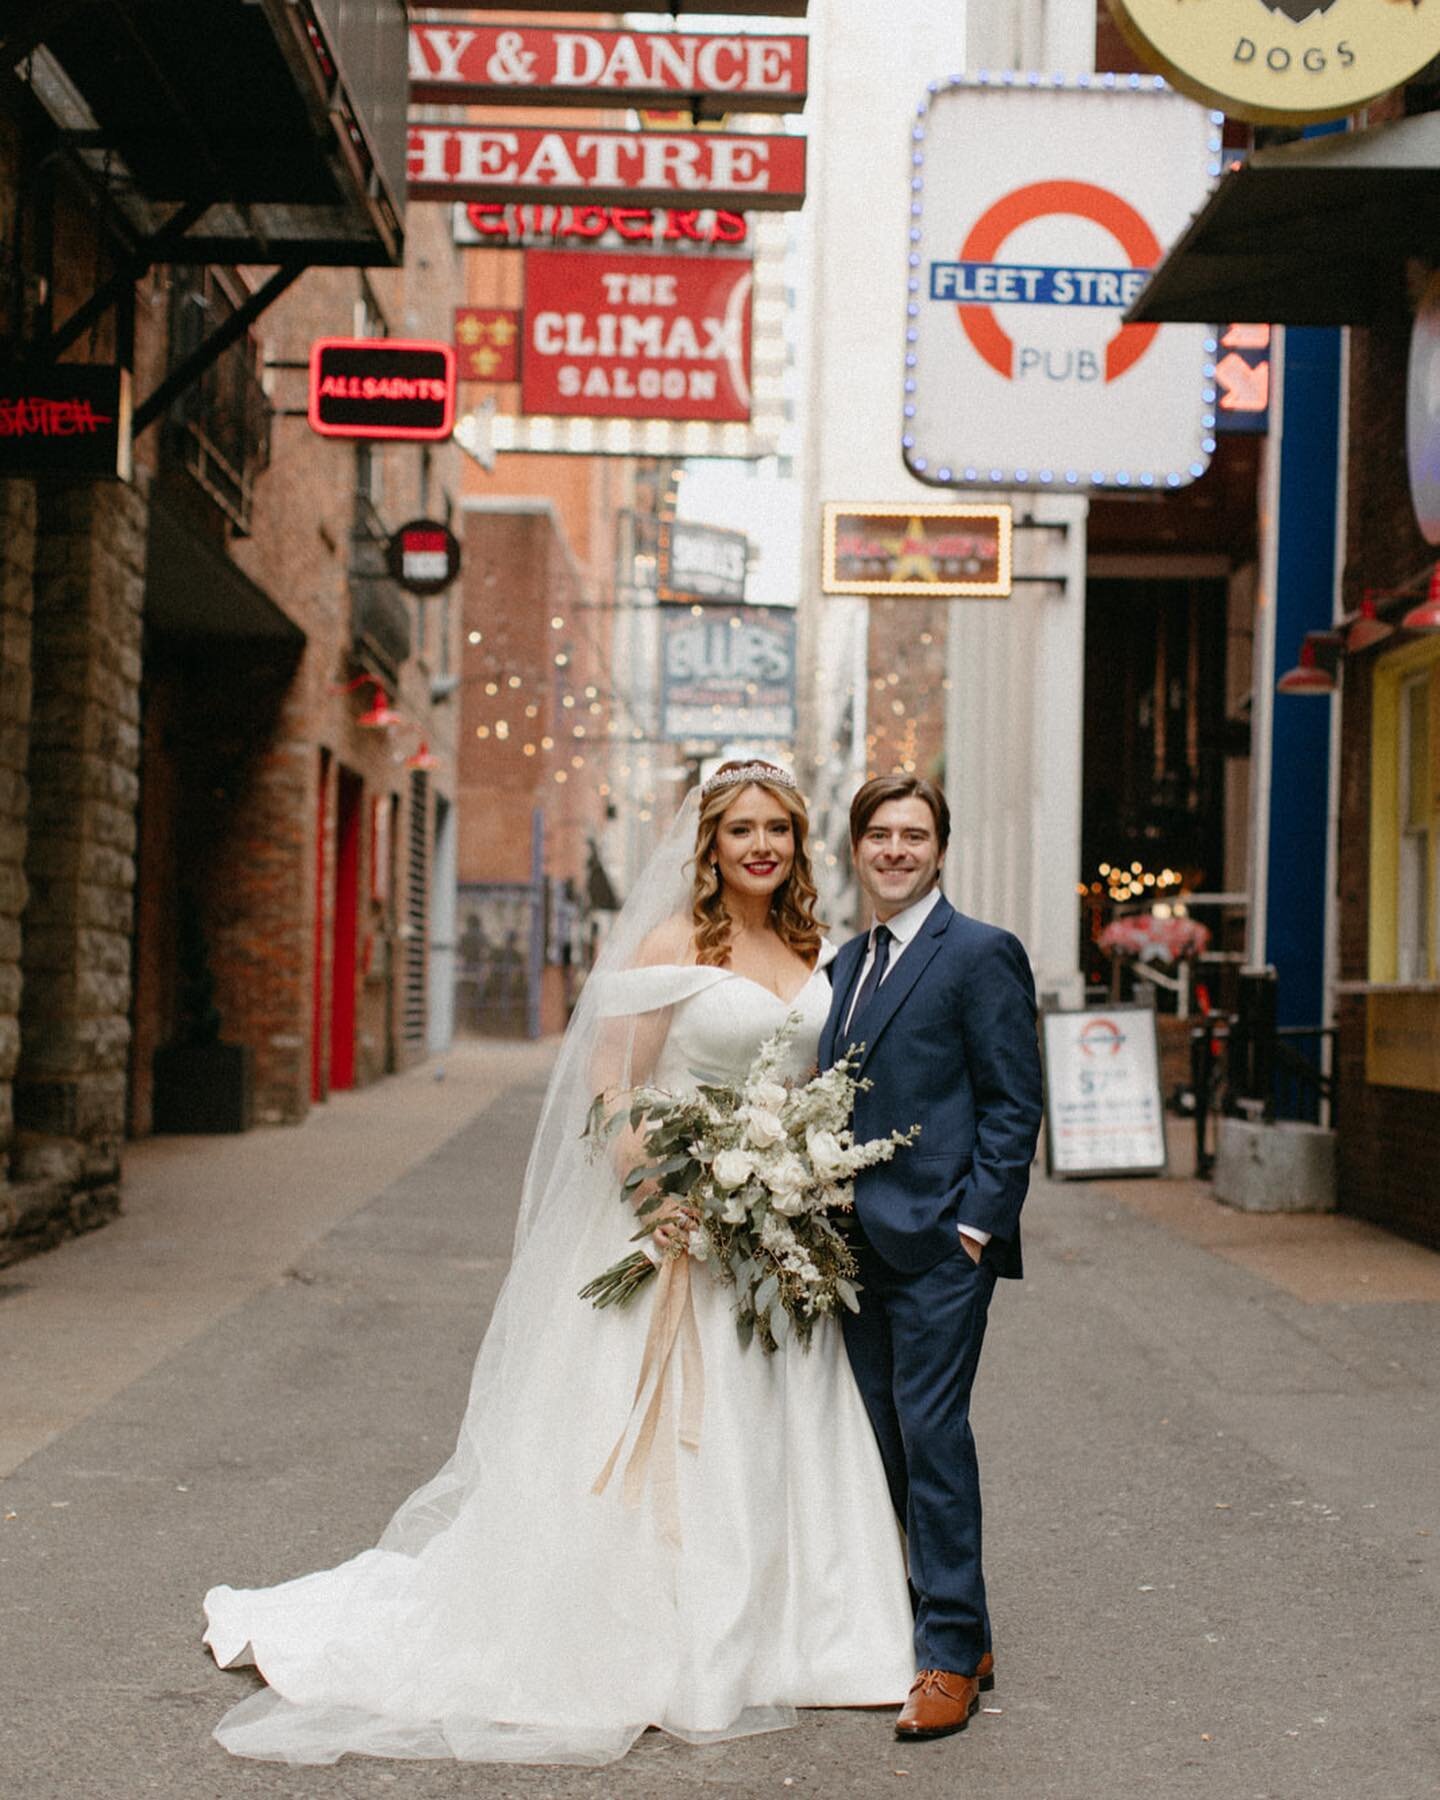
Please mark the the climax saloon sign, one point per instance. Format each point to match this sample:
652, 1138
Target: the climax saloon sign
497, 65
637, 337
1278, 61
588, 167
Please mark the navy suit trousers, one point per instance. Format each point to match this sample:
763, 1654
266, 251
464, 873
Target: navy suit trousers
914, 1346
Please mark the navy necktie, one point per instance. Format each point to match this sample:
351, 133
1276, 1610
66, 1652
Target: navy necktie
883, 940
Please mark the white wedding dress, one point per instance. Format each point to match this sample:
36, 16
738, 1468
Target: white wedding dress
511, 1614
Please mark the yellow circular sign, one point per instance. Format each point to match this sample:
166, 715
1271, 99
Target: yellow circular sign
1284, 61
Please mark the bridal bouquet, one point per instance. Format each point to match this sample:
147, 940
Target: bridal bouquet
764, 1168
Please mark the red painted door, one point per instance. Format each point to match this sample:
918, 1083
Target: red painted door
317, 1005
349, 795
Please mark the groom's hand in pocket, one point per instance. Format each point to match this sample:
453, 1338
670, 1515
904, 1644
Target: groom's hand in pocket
973, 1249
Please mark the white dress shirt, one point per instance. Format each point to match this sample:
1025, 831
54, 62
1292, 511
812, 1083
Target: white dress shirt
903, 928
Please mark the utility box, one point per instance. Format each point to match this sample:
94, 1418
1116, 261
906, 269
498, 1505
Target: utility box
1283, 1167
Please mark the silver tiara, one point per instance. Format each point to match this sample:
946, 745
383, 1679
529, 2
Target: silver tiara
724, 778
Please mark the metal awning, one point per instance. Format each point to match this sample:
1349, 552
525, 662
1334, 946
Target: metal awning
263, 132
194, 590
1310, 233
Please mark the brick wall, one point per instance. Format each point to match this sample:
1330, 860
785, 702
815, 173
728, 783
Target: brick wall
523, 750
1389, 1138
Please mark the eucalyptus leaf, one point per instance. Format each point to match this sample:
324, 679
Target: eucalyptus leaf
766, 1292
745, 1328
848, 1293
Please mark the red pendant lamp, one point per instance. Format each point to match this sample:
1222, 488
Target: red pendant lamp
1426, 616
1369, 628
1308, 676
382, 715
423, 757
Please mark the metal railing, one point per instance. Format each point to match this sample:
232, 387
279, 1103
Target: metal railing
219, 426
1244, 1065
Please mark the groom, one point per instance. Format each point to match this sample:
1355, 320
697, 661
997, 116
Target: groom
945, 1008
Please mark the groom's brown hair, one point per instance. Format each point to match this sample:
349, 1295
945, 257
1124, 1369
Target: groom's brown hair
881, 788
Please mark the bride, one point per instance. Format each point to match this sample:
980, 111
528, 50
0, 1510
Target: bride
512, 1613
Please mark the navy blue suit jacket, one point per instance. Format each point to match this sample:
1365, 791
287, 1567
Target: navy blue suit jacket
952, 1047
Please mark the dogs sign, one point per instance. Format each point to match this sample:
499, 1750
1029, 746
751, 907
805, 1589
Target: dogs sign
1018, 370
1284, 61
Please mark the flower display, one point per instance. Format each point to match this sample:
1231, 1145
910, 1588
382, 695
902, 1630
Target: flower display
765, 1172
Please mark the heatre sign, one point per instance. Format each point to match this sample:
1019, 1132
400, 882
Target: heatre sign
637, 337
545, 66
576, 167
381, 388
1018, 370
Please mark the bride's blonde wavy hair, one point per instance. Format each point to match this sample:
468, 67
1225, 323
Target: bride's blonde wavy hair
792, 908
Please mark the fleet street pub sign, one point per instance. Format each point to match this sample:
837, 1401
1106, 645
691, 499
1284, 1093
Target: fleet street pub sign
1038, 210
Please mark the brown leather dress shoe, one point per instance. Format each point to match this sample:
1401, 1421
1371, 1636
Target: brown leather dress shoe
985, 1671
940, 1702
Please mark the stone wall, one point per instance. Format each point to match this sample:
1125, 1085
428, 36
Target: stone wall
80, 862
17, 550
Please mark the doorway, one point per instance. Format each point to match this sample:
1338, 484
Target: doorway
349, 794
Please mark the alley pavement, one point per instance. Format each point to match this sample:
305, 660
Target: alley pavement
1208, 1440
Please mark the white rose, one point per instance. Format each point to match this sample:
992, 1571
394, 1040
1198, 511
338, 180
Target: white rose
768, 1094
762, 1128
735, 1211
787, 1179
732, 1169
826, 1153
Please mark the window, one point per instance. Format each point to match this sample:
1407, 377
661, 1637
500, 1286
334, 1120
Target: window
1416, 837
1405, 829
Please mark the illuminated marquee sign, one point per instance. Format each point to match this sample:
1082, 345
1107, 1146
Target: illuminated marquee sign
487, 343
381, 388
67, 419
1283, 61
917, 551
542, 65
580, 167
1018, 370
423, 556
638, 337
500, 226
